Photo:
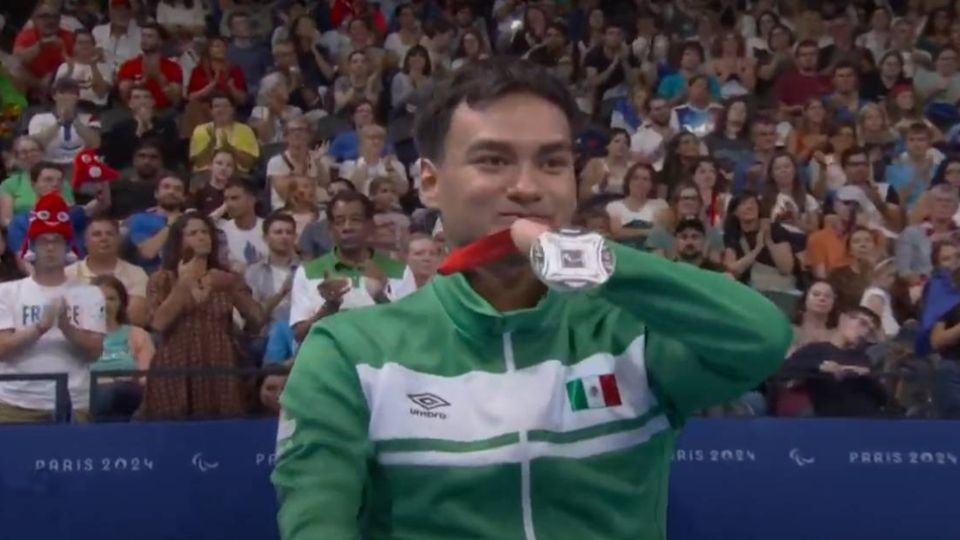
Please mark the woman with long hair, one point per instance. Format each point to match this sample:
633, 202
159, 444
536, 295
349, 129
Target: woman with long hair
408, 34
531, 33
758, 250
876, 85
681, 155
193, 298
472, 48
816, 314
316, 68
729, 143
216, 73
632, 217
786, 201
606, 175
904, 111
936, 31
948, 172
209, 200
811, 133
596, 22
851, 280
302, 204
729, 63
706, 176
414, 84
10, 265
125, 347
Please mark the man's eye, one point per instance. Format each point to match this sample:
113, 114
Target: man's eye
491, 161
556, 163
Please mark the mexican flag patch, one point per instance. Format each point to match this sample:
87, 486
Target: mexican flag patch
595, 392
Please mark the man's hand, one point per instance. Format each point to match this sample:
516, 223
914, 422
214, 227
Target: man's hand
333, 289
51, 314
375, 281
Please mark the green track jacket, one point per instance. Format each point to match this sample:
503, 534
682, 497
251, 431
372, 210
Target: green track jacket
437, 417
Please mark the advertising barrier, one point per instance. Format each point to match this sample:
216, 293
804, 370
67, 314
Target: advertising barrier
757, 479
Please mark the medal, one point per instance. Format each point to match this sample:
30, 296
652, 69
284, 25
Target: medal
570, 259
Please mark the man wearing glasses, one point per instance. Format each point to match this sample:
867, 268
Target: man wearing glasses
837, 375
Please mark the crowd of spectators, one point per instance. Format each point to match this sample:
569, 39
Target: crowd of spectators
269, 178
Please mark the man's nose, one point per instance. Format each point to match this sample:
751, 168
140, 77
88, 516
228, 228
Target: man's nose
526, 184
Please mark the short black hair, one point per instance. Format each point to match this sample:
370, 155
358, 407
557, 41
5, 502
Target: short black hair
220, 94
149, 142
278, 217
242, 183
845, 64
690, 223
103, 219
347, 197
480, 83
853, 151
37, 169
345, 182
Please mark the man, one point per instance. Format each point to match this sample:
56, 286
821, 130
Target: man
903, 40
880, 203
65, 131
143, 124
827, 247
352, 275
134, 191
836, 374
42, 47
17, 188
794, 89
510, 389
911, 173
845, 100
844, 49
675, 87
244, 230
148, 231
245, 51
271, 278
223, 132
553, 47
690, 241
346, 145
373, 161
610, 66
648, 144
914, 248
163, 77
119, 38
698, 115
48, 325
751, 171
297, 159
47, 177
102, 239
93, 76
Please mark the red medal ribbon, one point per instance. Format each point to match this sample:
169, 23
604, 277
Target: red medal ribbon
479, 252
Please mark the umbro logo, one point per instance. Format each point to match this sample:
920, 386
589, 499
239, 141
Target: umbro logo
427, 402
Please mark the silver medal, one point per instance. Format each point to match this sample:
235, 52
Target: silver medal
570, 259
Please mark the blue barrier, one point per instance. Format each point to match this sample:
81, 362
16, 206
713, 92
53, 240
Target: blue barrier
732, 480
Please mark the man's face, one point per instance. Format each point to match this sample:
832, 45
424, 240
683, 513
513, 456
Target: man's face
239, 202
102, 239
947, 63
67, 98
764, 137
170, 194
690, 243
358, 65
806, 58
27, 153
613, 38
944, 206
120, 15
844, 80
918, 144
149, 40
659, 111
141, 99
423, 256
857, 169
49, 181
373, 142
83, 46
554, 38
902, 32
358, 32
51, 251
298, 133
690, 59
46, 19
222, 111
147, 162
281, 238
363, 116
351, 228
240, 27
856, 328
499, 166
284, 56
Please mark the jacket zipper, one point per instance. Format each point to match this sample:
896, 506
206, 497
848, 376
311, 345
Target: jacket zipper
526, 505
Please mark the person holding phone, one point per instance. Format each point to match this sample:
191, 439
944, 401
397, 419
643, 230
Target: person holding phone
192, 299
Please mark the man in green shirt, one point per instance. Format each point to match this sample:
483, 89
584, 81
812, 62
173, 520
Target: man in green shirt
16, 191
486, 406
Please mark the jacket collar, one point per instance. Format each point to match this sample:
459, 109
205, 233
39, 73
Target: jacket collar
474, 316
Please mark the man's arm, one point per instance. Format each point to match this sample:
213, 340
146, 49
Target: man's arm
321, 458
151, 247
302, 328
89, 343
710, 338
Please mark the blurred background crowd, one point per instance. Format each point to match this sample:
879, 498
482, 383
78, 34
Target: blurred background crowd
268, 177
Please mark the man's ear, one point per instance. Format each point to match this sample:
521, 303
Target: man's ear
429, 183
